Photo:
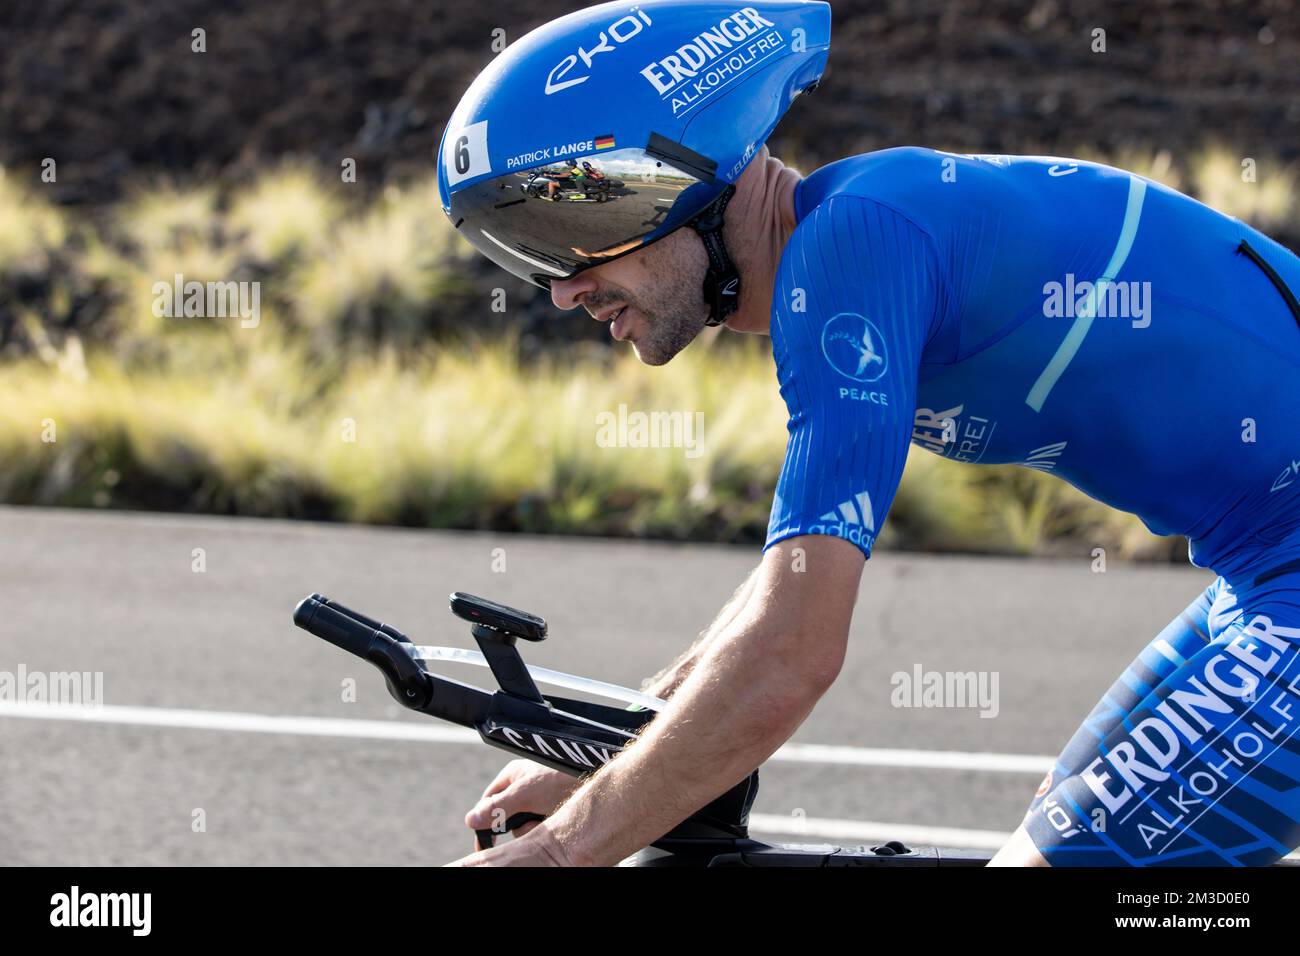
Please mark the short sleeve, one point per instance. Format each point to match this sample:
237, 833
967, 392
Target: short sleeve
855, 300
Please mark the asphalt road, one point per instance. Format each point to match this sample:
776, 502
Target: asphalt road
154, 783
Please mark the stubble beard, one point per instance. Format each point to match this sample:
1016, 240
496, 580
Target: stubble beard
679, 313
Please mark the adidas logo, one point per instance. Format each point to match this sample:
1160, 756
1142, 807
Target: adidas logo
852, 519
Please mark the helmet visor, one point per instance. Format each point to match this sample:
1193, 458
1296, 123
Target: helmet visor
551, 222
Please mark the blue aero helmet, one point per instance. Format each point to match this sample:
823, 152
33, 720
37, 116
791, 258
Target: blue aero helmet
668, 101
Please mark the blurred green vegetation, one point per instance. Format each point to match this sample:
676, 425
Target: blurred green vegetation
351, 400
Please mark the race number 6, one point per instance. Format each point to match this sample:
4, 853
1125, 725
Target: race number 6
467, 154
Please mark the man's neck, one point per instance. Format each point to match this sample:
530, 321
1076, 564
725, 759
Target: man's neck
760, 220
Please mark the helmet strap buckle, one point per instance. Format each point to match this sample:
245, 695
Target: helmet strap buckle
721, 281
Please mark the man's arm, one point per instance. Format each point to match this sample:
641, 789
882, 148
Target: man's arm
667, 681
755, 682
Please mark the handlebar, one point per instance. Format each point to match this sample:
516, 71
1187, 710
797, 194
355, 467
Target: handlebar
573, 736
384, 647
483, 839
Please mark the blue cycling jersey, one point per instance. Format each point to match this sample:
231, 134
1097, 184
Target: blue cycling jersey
1062, 315
1086, 322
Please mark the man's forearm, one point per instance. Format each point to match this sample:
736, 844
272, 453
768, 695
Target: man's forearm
754, 683
667, 681
746, 696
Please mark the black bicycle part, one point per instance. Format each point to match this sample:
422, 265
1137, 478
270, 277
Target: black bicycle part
508, 620
575, 737
752, 853
483, 839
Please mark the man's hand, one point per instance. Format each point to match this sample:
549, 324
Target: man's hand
539, 848
521, 787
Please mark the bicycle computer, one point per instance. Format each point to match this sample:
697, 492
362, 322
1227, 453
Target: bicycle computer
499, 617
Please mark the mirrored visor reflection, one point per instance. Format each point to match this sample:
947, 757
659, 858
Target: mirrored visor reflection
553, 221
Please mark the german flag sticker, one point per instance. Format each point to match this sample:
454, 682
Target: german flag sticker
604, 142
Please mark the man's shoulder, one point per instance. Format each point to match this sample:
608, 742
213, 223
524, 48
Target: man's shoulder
886, 176
863, 242
860, 204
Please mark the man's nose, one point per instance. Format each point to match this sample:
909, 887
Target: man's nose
566, 293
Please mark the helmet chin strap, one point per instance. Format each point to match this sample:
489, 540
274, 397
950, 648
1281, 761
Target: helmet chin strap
722, 281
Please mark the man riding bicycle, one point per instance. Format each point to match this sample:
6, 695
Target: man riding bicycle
1054, 313
570, 172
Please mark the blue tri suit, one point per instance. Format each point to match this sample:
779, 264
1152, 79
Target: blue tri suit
1087, 322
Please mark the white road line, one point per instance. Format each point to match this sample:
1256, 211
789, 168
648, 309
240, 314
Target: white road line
402, 730
868, 831
922, 759
247, 723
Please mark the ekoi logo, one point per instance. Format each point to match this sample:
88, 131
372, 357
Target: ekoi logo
620, 31
1288, 477
852, 520
855, 348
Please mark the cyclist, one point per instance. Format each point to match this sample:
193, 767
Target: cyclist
571, 171
1055, 313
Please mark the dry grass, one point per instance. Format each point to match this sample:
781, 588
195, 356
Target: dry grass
30, 228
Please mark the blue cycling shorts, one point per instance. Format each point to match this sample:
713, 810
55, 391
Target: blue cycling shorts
1192, 758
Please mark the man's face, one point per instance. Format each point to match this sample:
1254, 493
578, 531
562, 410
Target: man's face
653, 298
